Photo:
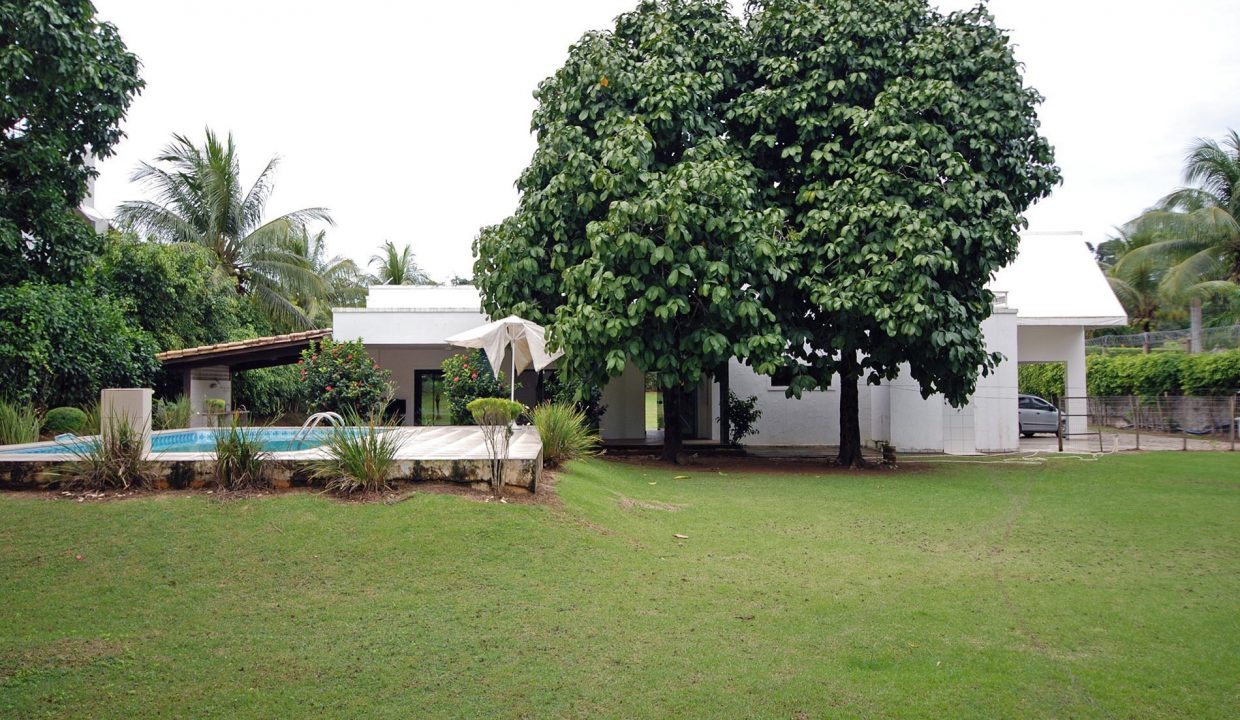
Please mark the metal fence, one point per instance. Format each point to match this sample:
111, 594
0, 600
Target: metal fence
1212, 338
1162, 422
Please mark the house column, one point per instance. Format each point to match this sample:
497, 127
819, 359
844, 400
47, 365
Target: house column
1074, 382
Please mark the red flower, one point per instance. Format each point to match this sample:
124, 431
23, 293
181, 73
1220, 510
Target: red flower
328, 388
474, 376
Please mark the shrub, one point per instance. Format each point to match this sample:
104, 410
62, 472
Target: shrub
360, 458
1044, 379
92, 425
171, 414
268, 393
60, 345
64, 420
112, 461
586, 398
340, 377
467, 377
19, 423
239, 459
495, 417
565, 432
1211, 374
742, 415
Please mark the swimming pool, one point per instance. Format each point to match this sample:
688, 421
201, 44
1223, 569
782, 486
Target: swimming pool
190, 441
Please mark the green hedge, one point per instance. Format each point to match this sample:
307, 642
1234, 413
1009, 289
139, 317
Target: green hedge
1160, 373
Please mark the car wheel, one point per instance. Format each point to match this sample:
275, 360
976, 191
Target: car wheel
1025, 434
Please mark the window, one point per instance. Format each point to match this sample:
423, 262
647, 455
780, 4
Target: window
782, 377
1027, 403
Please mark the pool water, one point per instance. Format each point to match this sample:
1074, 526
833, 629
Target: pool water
194, 441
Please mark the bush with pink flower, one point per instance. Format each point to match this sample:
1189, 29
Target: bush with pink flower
342, 377
467, 377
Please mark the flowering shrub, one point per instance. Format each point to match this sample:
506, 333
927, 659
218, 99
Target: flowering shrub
341, 377
465, 378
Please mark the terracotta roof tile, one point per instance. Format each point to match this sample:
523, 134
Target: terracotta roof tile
253, 343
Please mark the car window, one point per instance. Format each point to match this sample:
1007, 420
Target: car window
1026, 403
1043, 405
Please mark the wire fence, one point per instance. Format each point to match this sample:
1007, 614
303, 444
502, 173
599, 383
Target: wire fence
1167, 422
1212, 338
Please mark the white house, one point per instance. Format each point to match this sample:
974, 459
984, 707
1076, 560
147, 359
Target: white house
1045, 301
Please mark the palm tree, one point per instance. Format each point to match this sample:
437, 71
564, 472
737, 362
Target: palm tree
397, 267
1197, 224
344, 284
1137, 283
199, 200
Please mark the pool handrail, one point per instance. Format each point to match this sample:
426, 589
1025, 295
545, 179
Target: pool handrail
314, 420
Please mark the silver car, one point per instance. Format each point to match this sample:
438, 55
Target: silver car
1038, 415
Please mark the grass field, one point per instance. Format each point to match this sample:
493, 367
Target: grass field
1075, 589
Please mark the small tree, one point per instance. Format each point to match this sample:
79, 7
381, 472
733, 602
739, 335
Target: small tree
466, 377
495, 417
341, 377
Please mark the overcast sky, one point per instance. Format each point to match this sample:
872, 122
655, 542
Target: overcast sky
410, 121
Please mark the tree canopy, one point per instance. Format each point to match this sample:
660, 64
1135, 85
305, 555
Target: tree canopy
826, 188
640, 234
66, 80
903, 145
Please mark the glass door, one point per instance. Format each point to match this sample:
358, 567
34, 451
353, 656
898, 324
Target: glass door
430, 407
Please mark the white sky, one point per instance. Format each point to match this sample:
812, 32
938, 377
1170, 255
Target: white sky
410, 121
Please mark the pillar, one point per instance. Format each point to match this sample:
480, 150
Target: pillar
127, 406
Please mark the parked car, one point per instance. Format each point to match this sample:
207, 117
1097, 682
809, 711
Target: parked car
1038, 415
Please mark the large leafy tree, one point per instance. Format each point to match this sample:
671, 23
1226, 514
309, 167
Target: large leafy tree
904, 147
1199, 230
200, 200
397, 266
640, 235
66, 80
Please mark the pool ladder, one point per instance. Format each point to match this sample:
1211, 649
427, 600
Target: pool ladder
314, 420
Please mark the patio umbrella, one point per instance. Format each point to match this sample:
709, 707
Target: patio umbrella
527, 340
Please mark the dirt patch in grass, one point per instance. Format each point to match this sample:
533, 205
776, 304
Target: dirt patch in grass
65, 653
627, 503
748, 464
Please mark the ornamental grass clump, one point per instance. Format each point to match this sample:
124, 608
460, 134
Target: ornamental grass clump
19, 423
565, 432
240, 459
495, 417
115, 460
171, 414
360, 458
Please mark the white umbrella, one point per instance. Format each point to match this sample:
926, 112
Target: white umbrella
527, 340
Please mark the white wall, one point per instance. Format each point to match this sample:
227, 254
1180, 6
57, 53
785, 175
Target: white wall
395, 326
811, 420
625, 401
916, 422
995, 419
1058, 343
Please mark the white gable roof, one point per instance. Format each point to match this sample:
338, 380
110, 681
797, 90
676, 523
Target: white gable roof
1055, 280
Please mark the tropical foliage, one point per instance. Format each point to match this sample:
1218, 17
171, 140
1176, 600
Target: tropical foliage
62, 344
239, 459
112, 461
565, 432
19, 422
397, 266
1195, 231
466, 377
495, 417
199, 199
341, 377
361, 457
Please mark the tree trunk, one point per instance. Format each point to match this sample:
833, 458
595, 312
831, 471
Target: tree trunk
850, 414
672, 439
1194, 315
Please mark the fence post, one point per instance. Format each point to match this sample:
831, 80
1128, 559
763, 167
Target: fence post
1059, 424
1136, 419
1232, 421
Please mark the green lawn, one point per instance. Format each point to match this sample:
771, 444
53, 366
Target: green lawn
1076, 589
